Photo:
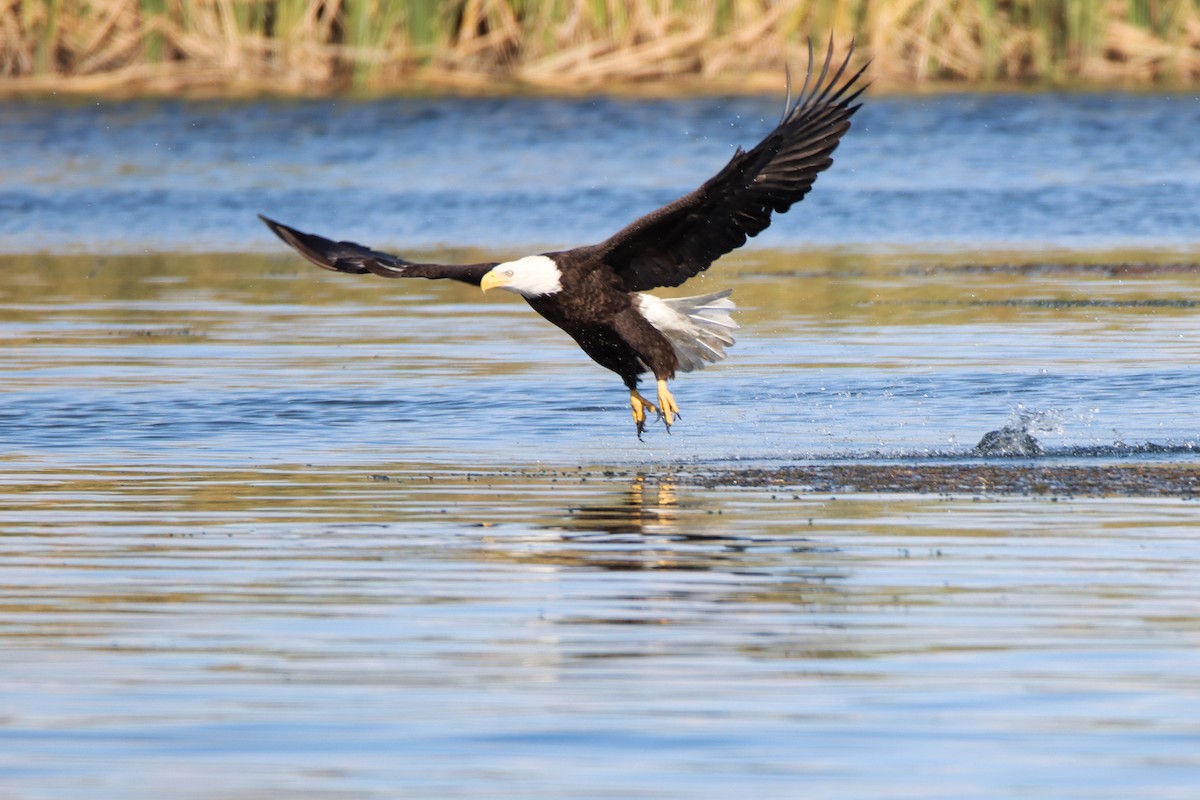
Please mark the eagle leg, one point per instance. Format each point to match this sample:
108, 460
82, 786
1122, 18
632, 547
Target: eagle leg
667, 409
640, 406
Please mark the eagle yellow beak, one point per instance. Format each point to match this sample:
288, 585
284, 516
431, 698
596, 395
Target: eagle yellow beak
492, 280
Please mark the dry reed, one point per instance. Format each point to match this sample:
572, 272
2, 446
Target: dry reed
321, 46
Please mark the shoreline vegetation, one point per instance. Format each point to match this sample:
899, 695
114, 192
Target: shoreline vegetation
323, 47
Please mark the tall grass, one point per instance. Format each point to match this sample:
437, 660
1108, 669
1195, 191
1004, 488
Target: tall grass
317, 46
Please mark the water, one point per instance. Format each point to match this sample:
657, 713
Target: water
319, 632
953, 172
229, 360
269, 531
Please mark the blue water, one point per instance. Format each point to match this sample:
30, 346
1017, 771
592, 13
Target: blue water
1004, 171
267, 531
231, 360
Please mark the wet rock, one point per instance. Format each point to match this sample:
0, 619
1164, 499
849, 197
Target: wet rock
1009, 442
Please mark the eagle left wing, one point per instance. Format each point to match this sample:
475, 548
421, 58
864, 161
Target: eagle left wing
359, 260
683, 238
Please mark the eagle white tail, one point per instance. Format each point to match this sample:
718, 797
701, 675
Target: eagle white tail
697, 327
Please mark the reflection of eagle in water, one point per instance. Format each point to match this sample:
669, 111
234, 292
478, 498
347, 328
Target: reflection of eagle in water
597, 293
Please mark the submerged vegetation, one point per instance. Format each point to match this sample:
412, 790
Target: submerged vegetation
319, 46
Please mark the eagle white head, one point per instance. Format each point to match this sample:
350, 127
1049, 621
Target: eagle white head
531, 276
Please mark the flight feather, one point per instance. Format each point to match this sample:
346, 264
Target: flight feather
668, 246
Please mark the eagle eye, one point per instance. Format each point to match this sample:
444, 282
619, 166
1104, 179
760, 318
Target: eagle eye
508, 273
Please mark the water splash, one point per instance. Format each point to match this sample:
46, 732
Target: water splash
1016, 439
1032, 420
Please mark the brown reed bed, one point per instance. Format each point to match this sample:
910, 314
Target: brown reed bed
484, 46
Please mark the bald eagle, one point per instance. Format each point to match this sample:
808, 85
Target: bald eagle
597, 293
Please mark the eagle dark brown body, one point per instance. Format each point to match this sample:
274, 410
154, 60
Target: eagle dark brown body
598, 313
597, 293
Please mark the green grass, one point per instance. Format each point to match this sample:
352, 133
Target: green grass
908, 40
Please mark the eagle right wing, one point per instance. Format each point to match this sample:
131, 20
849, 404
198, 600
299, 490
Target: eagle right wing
681, 239
358, 260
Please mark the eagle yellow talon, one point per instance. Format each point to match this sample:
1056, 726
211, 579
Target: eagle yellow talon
640, 406
667, 409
